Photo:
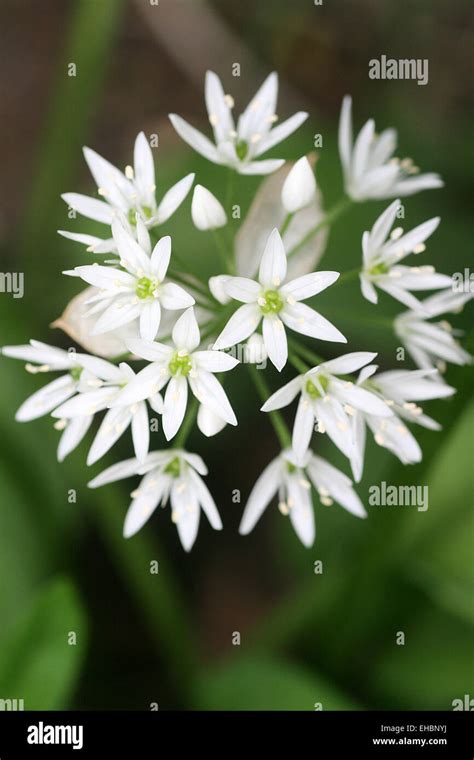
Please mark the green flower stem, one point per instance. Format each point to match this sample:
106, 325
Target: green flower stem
305, 353
297, 363
286, 223
188, 422
276, 418
330, 217
351, 274
226, 259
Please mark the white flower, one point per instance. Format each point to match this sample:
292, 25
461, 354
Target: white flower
206, 211
95, 381
432, 344
96, 393
299, 188
238, 145
381, 257
179, 365
288, 476
368, 167
127, 194
328, 399
277, 303
400, 389
137, 290
173, 475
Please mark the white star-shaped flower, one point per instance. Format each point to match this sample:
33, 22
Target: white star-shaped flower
276, 303
400, 390
178, 366
238, 145
291, 479
329, 400
368, 167
432, 344
137, 290
126, 194
381, 259
173, 475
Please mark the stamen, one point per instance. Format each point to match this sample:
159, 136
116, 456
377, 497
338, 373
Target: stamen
419, 248
396, 233
129, 172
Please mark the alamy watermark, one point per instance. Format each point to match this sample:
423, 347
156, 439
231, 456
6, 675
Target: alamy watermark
463, 282
12, 282
384, 495
402, 68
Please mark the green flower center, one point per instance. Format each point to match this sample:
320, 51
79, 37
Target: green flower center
146, 286
379, 269
311, 389
271, 302
146, 211
290, 467
241, 148
76, 373
180, 365
173, 468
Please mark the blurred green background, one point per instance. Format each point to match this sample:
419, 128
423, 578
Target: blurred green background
306, 638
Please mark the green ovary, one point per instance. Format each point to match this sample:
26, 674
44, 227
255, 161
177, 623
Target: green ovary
378, 269
241, 149
146, 286
146, 211
180, 365
311, 389
173, 468
76, 373
271, 302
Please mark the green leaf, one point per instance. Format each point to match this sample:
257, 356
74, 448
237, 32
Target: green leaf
266, 684
37, 662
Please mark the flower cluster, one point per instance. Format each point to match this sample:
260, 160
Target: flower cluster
142, 307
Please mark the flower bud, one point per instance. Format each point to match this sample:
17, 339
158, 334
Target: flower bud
299, 187
206, 211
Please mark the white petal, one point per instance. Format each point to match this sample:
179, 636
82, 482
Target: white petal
144, 169
109, 179
186, 331
186, 511
117, 471
195, 139
324, 475
119, 313
209, 423
368, 290
86, 403
281, 132
214, 361
140, 431
89, 207
46, 399
308, 285
272, 270
240, 326
216, 286
301, 511
303, 427
361, 149
299, 187
210, 392
73, 434
262, 493
345, 134
413, 185
276, 345
242, 289
336, 424
176, 398
306, 321
174, 297
348, 363
217, 107
174, 198
146, 383
261, 167
205, 500
259, 111
149, 494
382, 226
150, 316
112, 427
132, 256
360, 399
153, 352
160, 258
40, 353
106, 278
283, 396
